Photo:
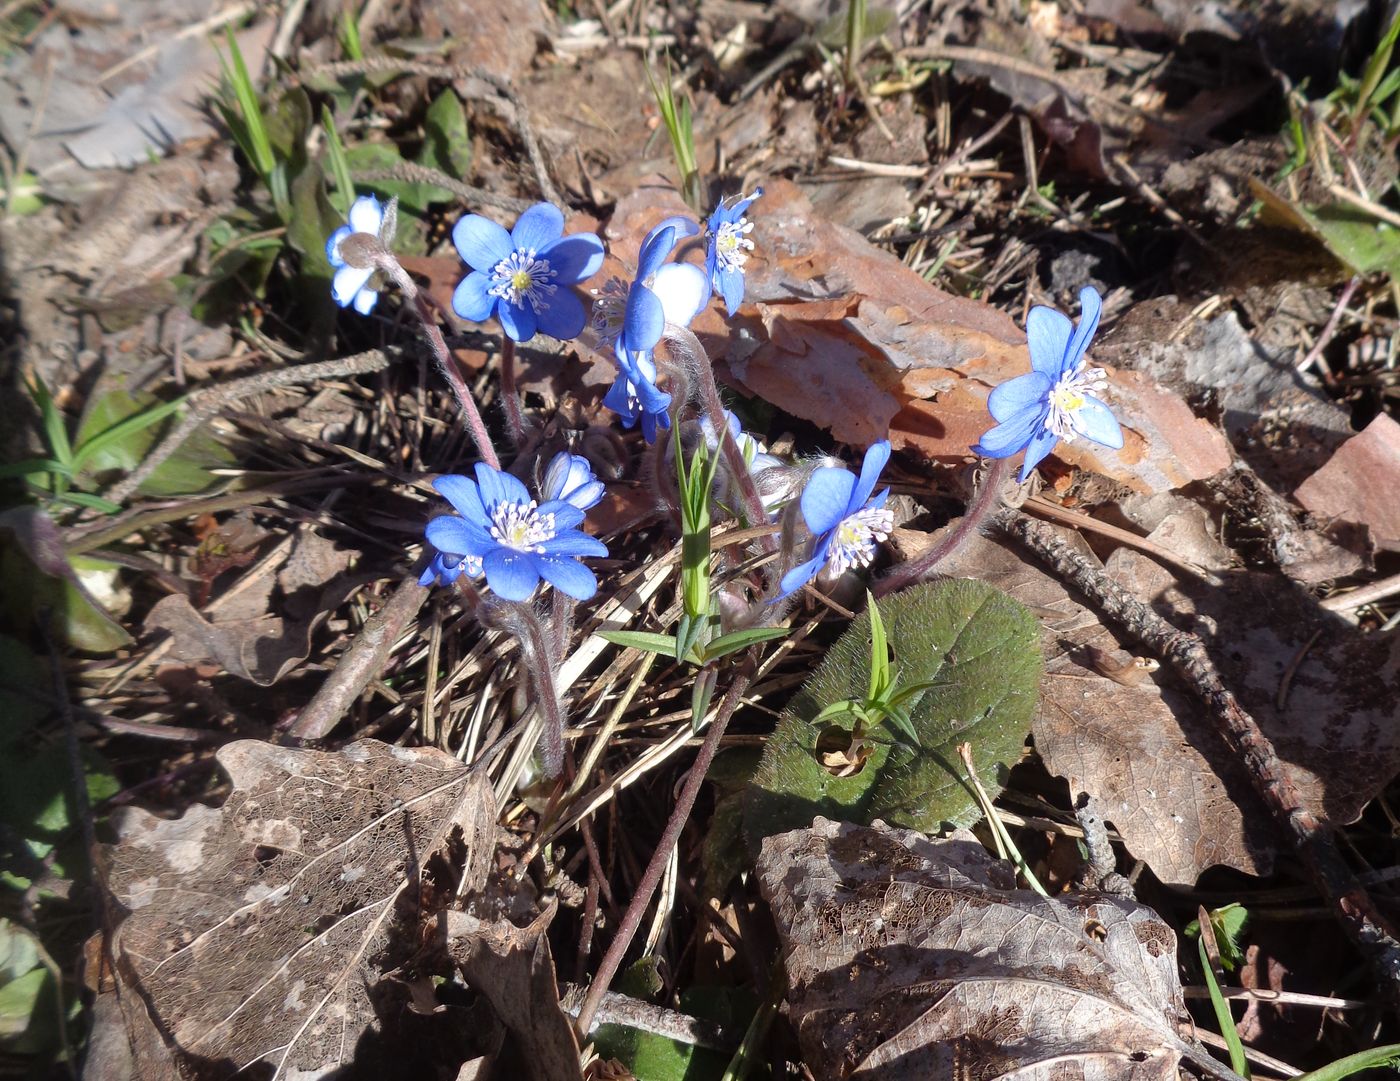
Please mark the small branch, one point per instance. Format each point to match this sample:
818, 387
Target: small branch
515, 108
424, 174
1187, 655
680, 814
987, 499
205, 405
362, 662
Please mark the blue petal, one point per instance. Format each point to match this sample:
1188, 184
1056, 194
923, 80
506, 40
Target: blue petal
1090, 308
659, 242
1047, 336
1094, 420
539, 227
800, 575
365, 300
1029, 391
366, 215
1011, 435
511, 575
566, 515
1041, 444
571, 542
567, 575
574, 258
333, 246
644, 319
347, 282
620, 400
458, 537
731, 286
471, 300
682, 289
517, 320
497, 487
464, 496
876, 458
562, 315
826, 498
651, 422
481, 242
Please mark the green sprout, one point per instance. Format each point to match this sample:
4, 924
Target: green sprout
676, 115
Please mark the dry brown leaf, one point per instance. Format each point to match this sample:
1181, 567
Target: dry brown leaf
1361, 483
1177, 794
261, 931
911, 957
513, 968
844, 335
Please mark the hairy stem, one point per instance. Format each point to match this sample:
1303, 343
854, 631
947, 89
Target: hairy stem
510, 397
685, 803
687, 348
389, 266
987, 499
522, 621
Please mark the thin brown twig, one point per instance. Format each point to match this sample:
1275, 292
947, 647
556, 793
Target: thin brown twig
424, 174
505, 95
205, 404
1186, 654
651, 878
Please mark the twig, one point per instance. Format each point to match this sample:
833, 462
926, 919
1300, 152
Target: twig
1367, 594
680, 814
1330, 327
425, 174
360, 663
1187, 656
205, 404
516, 113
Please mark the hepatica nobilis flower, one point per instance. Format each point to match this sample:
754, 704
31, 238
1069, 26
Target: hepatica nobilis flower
350, 285
632, 319
525, 277
728, 249
844, 518
516, 540
569, 478
1056, 399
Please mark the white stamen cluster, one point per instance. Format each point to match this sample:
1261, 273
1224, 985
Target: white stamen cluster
520, 277
521, 526
1067, 398
732, 244
609, 310
856, 537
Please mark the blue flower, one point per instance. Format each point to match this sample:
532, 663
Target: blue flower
1053, 400
631, 319
517, 541
774, 488
351, 283
448, 568
843, 517
525, 276
728, 249
570, 478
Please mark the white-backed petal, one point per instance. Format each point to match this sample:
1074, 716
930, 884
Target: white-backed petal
682, 290
366, 215
348, 281
365, 300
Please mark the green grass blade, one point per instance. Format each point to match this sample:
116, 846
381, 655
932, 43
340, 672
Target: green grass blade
249, 109
1376, 1058
28, 466
1223, 1017
340, 168
55, 431
647, 641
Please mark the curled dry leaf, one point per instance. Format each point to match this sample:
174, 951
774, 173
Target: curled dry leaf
513, 968
844, 335
1168, 782
910, 957
261, 931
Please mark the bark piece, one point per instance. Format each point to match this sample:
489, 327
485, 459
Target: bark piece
1360, 483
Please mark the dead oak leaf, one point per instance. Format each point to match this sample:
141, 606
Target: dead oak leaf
261, 931
912, 957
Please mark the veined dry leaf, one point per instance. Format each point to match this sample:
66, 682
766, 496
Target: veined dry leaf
911, 957
1166, 778
261, 931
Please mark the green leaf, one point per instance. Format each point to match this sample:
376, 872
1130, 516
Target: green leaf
447, 146
383, 157
340, 168
880, 680
19, 999
288, 124
648, 641
55, 428
253, 134
314, 218
650, 1057
1223, 1017
1229, 922
120, 429
1374, 1059
979, 649
737, 640
20, 706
